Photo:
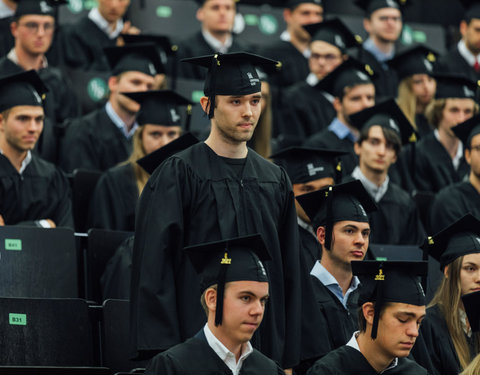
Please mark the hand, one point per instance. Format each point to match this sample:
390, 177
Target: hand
288, 371
51, 223
129, 29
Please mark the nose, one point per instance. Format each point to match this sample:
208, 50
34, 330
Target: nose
247, 112
412, 329
257, 308
359, 239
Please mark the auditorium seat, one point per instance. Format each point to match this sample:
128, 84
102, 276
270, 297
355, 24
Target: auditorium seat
83, 183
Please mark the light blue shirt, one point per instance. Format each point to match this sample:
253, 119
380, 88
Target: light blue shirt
119, 122
382, 57
327, 279
341, 130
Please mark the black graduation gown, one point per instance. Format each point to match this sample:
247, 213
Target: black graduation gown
347, 360
433, 166
114, 200
451, 203
453, 62
6, 38
195, 197
93, 142
196, 357
40, 192
423, 127
310, 248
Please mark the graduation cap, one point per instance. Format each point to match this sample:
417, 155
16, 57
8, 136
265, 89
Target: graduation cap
335, 32
151, 161
370, 6
232, 74
202, 2
472, 8
389, 281
42, 7
388, 115
161, 42
158, 107
450, 85
460, 238
235, 259
348, 74
304, 164
294, 3
24, 88
415, 60
466, 130
471, 303
347, 201
140, 57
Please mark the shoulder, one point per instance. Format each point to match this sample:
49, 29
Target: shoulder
335, 362
407, 366
42, 167
261, 363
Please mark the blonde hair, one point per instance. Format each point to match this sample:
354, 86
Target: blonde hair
473, 368
261, 139
141, 176
407, 101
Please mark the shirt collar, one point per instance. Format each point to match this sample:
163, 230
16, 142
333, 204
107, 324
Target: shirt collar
95, 16
119, 122
463, 321
5, 11
25, 162
341, 130
322, 274
458, 156
12, 56
376, 192
215, 44
312, 79
370, 46
466, 53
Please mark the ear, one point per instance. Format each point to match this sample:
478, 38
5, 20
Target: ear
445, 271
463, 28
200, 14
205, 104
366, 25
211, 299
2, 122
14, 29
321, 235
287, 15
356, 148
337, 104
113, 83
468, 156
368, 310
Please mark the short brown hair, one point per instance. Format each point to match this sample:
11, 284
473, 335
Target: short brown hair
362, 322
391, 136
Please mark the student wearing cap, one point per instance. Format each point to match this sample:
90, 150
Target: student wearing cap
103, 138
351, 86
215, 190
383, 23
384, 130
471, 303
339, 216
7, 11
439, 159
309, 109
32, 190
448, 342
454, 201
464, 58
234, 288
83, 42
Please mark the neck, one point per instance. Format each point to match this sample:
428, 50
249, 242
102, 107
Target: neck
28, 61
376, 177
375, 357
449, 142
382, 45
14, 156
234, 347
298, 42
225, 148
420, 108
344, 121
342, 274
127, 117
475, 181
221, 36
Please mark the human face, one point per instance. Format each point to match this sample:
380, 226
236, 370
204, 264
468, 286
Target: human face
470, 273
156, 136
113, 10
308, 187
384, 25
456, 110
375, 153
398, 329
217, 16
235, 117
472, 156
131, 81
471, 35
243, 307
21, 129
301, 15
355, 99
33, 33
324, 58
423, 87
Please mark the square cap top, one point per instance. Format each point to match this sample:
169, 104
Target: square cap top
472, 8
201, 2
415, 60
38, 7
294, 3
25, 88
450, 85
468, 129
161, 42
140, 57
471, 302
370, 6
335, 32
388, 115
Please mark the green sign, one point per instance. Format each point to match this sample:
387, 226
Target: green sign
11, 244
251, 19
77, 6
164, 11
196, 95
268, 24
381, 259
409, 36
17, 319
97, 89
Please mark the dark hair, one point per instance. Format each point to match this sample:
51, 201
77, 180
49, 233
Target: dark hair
391, 136
362, 322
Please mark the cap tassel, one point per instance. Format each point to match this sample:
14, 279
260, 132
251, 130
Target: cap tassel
220, 293
338, 172
329, 223
379, 278
189, 118
213, 84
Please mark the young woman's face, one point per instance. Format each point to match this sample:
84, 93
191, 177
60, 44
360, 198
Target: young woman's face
470, 274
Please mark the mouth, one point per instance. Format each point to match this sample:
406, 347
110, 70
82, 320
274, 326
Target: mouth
246, 125
407, 345
357, 253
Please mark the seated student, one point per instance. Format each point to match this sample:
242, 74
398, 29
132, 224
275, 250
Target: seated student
103, 138
115, 196
449, 345
391, 309
384, 130
471, 303
339, 216
456, 200
234, 291
32, 190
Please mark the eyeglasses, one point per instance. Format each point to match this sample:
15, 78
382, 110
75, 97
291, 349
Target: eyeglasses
33, 27
329, 57
387, 18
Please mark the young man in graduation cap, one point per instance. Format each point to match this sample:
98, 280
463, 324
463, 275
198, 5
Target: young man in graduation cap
439, 157
339, 216
391, 309
353, 90
234, 288
32, 190
103, 138
384, 130
214, 190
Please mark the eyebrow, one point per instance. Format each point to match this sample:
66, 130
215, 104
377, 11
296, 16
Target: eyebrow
252, 294
409, 313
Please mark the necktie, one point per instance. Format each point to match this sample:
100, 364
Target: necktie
476, 66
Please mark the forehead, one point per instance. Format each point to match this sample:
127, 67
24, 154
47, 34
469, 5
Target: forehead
350, 223
386, 12
405, 308
110, 3
255, 287
475, 140
241, 97
135, 75
472, 258
307, 8
213, 3
26, 110
376, 131
363, 88
38, 18
320, 46
463, 103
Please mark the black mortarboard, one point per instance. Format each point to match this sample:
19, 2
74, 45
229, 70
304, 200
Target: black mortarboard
305, 164
472, 8
232, 74
140, 57
450, 85
24, 88
387, 115
460, 238
161, 42
347, 201
335, 32
415, 60
389, 281
158, 107
471, 303
201, 2
235, 259
39, 7
348, 74
370, 6
466, 130
151, 161
294, 3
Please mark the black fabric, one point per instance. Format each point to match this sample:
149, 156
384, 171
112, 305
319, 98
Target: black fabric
423, 127
40, 192
310, 248
453, 62
93, 142
6, 38
114, 200
347, 360
194, 197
